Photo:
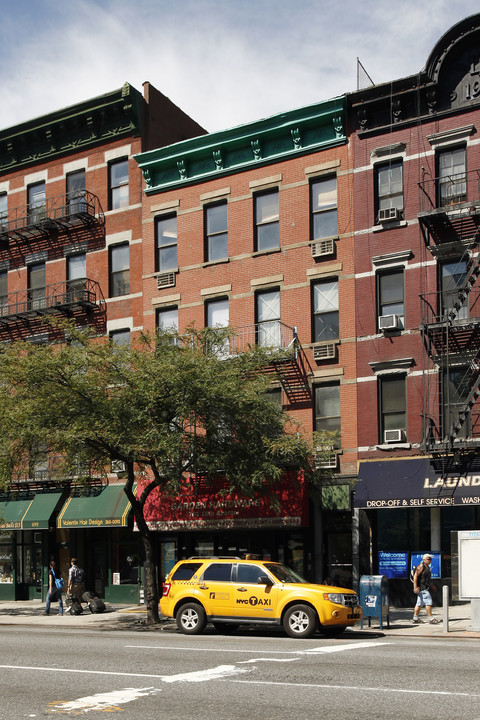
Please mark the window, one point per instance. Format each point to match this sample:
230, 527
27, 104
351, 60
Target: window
457, 384
118, 184
76, 192
3, 209
216, 228
393, 405
452, 179
327, 409
266, 221
325, 311
452, 277
391, 301
324, 208
249, 573
167, 319
218, 572
36, 286
76, 277
390, 190
268, 318
217, 316
166, 234
119, 270
120, 337
36, 202
3, 288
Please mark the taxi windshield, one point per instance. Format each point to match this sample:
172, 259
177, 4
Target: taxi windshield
284, 574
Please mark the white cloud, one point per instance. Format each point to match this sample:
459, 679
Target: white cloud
225, 63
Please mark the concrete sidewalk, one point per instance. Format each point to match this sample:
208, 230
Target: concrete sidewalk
133, 617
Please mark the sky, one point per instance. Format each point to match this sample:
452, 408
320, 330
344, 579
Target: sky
224, 62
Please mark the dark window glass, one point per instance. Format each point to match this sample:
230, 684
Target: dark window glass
3, 208
249, 573
218, 571
324, 208
393, 404
76, 192
325, 311
186, 571
36, 202
216, 225
452, 277
3, 288
267, 221
166, 232
118, 184
119, 270
36, 286
457, 385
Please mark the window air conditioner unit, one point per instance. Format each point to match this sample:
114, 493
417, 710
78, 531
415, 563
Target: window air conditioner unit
324, 352
323, 247
389, 322
117, 466
386, 214
327, 460
165, 280
393, 436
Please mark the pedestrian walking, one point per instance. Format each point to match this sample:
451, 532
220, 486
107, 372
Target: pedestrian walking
54, 593
422, 582
76, 580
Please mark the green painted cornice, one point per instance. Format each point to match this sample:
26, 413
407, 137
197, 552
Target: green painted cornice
263, 142
89, 123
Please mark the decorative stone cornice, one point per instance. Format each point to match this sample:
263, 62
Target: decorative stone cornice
89, 123
263, 142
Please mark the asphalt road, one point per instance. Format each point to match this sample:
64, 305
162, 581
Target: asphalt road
252, 676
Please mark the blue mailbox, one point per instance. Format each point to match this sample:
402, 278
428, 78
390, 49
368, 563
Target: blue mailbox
374, 598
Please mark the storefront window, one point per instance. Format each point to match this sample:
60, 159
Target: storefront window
6, 557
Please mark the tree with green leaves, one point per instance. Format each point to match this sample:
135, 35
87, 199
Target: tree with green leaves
169, 407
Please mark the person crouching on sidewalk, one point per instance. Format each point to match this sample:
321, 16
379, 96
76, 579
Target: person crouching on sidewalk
422, 582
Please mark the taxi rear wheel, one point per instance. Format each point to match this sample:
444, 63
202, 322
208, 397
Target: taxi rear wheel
191, 619
300, 621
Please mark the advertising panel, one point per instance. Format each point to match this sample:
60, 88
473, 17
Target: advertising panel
393, 564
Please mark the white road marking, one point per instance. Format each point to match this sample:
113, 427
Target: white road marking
106, 702
215, 673
278, 660
191, 649
358, 688
340, 648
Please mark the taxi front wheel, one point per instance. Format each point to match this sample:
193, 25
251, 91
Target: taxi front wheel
191, 619
300, 621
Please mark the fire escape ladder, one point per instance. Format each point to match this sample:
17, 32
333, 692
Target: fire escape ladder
470, 384
293, 373
464, 291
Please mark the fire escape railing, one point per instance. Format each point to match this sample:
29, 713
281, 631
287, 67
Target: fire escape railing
61, 297
61, 213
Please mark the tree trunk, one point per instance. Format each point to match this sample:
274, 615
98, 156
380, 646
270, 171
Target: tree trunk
151, 589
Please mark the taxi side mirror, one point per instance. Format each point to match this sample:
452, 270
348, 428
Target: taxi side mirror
264, 580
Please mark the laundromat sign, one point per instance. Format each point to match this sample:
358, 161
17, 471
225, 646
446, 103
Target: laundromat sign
413, 483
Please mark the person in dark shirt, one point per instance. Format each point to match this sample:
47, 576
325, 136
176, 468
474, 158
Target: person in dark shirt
53, 593
422, 582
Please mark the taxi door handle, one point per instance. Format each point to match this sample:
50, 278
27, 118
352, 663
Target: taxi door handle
203, 587
242, 589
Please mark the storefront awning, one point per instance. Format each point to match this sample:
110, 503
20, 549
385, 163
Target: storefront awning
413, 483
32, 514
109, 508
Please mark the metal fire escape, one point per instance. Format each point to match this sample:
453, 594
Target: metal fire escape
449, 219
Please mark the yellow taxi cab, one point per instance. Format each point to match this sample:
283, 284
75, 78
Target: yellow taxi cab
229, 592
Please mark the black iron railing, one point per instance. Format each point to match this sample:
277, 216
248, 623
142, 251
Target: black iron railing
61, 297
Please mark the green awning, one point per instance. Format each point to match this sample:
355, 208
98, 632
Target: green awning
110, 508
40, 511
32, 514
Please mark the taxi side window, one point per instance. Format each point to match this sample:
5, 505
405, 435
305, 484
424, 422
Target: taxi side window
249, 573
186, 571
221, 572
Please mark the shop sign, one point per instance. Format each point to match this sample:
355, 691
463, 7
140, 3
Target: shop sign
207, 508
413, 483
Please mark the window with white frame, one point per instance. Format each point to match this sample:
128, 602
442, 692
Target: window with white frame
390, 202
216, 232
167, 319
325, 310
77, 272
268, 318
75, 186
323, 198
120, 337
37, 286
392, 407
452, 178
452, 274
267, 233
36, 202
217, 316
166, 243
118, 184
119, 269
391, 299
